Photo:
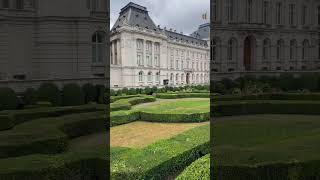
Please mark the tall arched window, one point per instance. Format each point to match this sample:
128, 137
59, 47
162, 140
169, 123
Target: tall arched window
293, 49
266, 49
265, 12
140, 76
232, 49
305, 50
280, 49
182, 78
149, 76
99, 46
177, 78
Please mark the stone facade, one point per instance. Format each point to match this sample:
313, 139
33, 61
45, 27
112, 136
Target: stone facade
45, 40
264, 37
143, 54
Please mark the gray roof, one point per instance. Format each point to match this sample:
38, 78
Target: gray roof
203, 32
184, 38
135, 15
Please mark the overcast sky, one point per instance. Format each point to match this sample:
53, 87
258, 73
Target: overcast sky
182, 15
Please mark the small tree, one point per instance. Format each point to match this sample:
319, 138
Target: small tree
49, 92
89, 92
72, 95
30, 97
8, 99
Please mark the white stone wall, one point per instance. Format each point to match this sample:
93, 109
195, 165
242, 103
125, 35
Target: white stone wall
126, 73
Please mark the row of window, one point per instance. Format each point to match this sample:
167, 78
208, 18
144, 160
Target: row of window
17, 4
266, 9
188, 54
232, 49
149, 45
278, 68
149, 77
189, 65
194, 78
150, 60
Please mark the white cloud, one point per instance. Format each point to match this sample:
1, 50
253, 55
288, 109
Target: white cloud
182, 15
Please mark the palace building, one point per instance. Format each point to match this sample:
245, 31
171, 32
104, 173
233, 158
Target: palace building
143, 54
52, 41
264, 37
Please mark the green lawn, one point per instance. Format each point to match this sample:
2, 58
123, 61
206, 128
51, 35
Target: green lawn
176, 106
263, 139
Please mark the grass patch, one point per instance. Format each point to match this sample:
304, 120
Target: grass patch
141, 134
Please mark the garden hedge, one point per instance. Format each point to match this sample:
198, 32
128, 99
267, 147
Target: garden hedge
265, 107
125, 104
163, 158
270, 96
49, 135
72, 95
80, 165
309, 170
182, 95
116, 98
159, 117
8, 99
21, 116
49, 92
199, 169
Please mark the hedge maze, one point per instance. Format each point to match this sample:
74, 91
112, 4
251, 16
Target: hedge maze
267, 136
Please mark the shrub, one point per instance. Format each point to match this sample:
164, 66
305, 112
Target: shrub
30, 97
100, 98
8, 99
90, 93
49, 92
147, 91
125, 91
72, 95
112, 92
200, 169
125, 104
182, 95
132, 91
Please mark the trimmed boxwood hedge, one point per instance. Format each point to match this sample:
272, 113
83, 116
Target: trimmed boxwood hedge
125, 104
49, 92
199, 169
5, 122
49, 135
72, 95
116, 98
182, 95
155, 117
21, 116
163, 158
274, 171
265, 107
8, 99
270, 96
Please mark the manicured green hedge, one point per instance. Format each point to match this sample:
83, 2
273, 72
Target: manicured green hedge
270, 96
123, 117
199, 169
274, 171
81, 165
116, 98
182, 95
8, 99
21, 116
49, 92
155, 117
265, 107
5, 122
72, 95
125, 104
49, 135
163, 158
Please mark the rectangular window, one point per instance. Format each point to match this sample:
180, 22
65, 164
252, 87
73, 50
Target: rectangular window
304, 15
19, 4
5, 4
291, 13
265, 12
279, 13
214, 9
319, 15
